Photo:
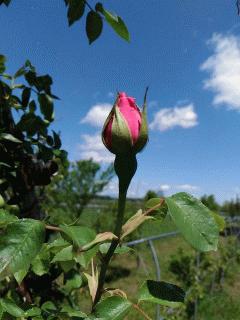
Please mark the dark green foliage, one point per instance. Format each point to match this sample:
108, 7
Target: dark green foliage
150, 194
28, 151
94, 26
2, 63
6, 2
75, 10
232, 207
161, 292
210, 202
94, 22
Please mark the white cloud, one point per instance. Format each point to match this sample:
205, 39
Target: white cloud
169, 118
165, 187
224, 70
186, 187
92, 147
182, 187
97, 114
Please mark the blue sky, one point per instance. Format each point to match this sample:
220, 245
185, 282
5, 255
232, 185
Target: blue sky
188, 52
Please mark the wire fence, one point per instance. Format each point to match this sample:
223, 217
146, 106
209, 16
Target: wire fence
232, 229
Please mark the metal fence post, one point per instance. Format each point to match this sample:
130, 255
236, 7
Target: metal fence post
158, 272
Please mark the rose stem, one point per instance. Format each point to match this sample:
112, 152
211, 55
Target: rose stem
125, 167
113, 246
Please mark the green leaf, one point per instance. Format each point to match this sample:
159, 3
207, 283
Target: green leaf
58, 244
6, 218
43, 83
2, 203
30, 77
48, 306
112, 308
117, 24
74, 281
194, 221
29, 65
2, 63
20, 275
152, 202
75, 10
32, 106
18, 86
7, 76
79, 235
99, 7
41, 263
67, 265
72, 312
84, 258
20, 72
20, 243
219, 220
1, 312
94, 26
11, 308
161, 292
65, 254
46, 106
26, 94
32, 124
9, 137
33, 312
57, 140
103, 248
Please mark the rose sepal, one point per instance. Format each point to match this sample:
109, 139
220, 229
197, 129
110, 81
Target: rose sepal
143, 134
121, 136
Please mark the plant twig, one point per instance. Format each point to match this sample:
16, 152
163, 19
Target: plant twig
88, 5
49, 227
147, 212
24, 292
135, 306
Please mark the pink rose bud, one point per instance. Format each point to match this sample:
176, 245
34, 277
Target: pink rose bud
125, 129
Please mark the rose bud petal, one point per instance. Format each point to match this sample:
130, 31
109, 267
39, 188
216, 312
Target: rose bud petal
125, 129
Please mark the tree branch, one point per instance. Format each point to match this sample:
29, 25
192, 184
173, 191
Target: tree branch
135, 306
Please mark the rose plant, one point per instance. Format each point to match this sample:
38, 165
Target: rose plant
42, 266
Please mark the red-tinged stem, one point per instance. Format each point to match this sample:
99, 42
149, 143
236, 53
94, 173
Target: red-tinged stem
135, 306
